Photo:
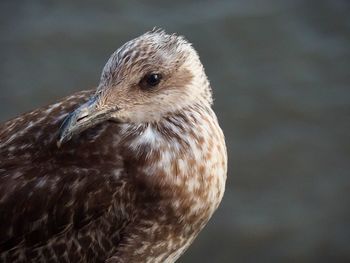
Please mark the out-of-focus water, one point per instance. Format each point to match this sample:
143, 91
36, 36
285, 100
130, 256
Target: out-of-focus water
280, 71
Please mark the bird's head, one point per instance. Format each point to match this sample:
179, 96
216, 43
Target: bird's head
145, 80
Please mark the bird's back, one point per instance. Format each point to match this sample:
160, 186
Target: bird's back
58, 204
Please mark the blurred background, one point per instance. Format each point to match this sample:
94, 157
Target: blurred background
280, 71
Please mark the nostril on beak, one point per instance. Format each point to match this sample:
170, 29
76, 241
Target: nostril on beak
82, 117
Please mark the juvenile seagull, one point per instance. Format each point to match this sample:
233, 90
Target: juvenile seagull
129, 173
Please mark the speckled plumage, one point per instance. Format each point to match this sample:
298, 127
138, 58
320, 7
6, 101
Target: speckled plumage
136, 185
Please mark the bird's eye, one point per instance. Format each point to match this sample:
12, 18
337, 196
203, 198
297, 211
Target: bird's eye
153, 79
150, 80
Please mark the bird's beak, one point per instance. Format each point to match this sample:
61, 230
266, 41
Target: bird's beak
84, 117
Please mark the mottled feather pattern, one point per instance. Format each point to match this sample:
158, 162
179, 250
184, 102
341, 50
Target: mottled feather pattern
43, 203
138, 187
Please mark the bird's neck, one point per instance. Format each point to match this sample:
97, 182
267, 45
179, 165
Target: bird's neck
183, 132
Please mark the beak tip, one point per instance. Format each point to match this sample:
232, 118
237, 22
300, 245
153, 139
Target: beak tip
58, 144
63, 133
60, 141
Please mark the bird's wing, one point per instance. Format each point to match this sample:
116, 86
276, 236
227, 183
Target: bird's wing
46, 191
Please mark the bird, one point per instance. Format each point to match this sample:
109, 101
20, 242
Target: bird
130, 171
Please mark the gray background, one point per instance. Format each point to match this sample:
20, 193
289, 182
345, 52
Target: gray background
280, 71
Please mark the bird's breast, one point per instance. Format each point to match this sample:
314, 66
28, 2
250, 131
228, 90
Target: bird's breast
181, 167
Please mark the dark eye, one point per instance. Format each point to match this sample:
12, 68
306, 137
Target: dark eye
150, 80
